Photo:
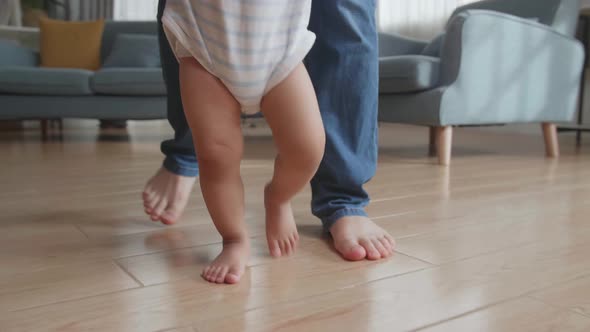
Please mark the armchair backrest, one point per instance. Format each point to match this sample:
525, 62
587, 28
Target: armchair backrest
562, 15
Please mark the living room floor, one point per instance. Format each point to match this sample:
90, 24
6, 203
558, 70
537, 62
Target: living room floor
500, 241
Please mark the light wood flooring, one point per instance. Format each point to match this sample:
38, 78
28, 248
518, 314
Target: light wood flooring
500, 241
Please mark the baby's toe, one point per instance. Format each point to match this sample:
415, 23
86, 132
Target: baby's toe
220, 277
233, 275
274, 248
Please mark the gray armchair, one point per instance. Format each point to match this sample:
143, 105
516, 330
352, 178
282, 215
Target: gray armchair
498, 62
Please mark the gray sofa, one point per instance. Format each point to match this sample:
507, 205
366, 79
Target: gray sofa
499, 61
115, 93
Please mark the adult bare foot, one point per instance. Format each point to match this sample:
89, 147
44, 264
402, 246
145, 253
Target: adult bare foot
165, 196
281, 230
357, 238
229, 266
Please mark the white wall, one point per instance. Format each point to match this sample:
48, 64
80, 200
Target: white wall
422, 19
136, 10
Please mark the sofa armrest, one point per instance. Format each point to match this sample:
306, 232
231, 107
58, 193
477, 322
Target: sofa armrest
478, 37
393, 45
12, 54
492, 61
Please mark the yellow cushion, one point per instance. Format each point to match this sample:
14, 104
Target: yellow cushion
71, 44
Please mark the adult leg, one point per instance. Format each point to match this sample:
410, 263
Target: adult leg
214, 117
292, 112
166, 194
344, 68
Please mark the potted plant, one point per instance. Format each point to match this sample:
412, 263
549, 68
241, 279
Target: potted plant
33, 11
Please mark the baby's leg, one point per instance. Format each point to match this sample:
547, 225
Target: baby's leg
214, 117
292, 112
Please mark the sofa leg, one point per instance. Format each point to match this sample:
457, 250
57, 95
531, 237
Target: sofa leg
44, 129
60, 128
444, 143
432, 142
59, 125
551, 140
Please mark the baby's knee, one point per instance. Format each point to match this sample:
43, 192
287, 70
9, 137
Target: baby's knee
309, 154
316, 144
317, 151
219, 152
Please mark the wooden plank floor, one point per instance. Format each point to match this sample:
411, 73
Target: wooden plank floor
498, 242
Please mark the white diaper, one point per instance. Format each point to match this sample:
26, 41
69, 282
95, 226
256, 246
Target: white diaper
250, 45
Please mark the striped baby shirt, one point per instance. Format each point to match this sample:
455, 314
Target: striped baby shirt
250, 45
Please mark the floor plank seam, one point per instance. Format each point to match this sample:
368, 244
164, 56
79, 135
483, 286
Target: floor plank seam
162, 251
128, 273
35, 307
551, 285
252, 238
528, 191
475, 188
430, 265
401, 214
353, 285
165, 228
549, 304
487, 253
219, 242
155, 231
515, 218
466, 313
449, 228
416, 258
185, 225
531, 294
459, 177
81, 231
339, 289
374, 218
190, 327
586, 202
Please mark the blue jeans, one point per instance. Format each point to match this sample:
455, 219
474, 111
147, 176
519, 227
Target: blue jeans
180, 152
344, 69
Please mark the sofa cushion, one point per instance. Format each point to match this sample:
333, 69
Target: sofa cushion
434, 47
45, 81
134, 50
71, 44
129, 82
12, 54
112, 29
408, 73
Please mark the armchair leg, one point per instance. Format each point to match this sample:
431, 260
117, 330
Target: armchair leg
444, 142
551, 140
432, 142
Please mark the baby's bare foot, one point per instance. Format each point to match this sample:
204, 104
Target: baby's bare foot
281, 230
165, 196
229, 266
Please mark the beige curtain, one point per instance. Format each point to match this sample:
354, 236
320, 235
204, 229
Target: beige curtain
10, 13
422, 19
87, 10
